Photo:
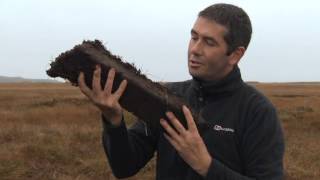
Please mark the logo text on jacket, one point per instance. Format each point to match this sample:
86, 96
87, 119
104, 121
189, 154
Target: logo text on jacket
219, 128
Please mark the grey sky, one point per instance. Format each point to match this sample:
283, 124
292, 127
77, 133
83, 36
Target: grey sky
154, 35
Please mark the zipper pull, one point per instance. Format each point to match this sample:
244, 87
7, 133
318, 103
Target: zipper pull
145, 128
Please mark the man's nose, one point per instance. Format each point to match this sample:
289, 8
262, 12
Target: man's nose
196, 48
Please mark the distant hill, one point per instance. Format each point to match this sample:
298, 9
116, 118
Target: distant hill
5, 79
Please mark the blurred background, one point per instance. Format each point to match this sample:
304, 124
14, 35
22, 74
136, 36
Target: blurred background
154, 35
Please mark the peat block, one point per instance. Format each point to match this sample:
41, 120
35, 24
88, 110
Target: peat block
146, 99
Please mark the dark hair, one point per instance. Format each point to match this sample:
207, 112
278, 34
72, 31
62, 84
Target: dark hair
235, 20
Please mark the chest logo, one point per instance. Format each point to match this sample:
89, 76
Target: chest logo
219, 128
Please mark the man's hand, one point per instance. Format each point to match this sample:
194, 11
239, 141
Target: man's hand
107, 102
187, 142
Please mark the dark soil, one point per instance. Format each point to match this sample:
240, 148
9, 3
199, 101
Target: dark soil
146, 99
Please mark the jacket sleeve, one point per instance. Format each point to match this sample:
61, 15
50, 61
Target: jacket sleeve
262, 149
128, 150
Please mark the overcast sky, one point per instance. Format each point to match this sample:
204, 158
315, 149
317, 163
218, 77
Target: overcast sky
154, 35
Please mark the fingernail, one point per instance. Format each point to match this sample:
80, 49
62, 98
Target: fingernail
168, 113
184, 107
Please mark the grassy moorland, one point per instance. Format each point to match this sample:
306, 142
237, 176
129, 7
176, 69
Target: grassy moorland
51, 131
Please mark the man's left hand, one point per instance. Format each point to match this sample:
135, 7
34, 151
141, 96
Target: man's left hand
187, 142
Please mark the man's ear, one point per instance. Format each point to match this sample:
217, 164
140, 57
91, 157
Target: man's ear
236, 55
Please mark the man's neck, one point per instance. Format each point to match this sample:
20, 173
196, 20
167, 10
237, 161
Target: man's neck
224, 74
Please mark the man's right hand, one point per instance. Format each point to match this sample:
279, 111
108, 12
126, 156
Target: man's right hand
104, 99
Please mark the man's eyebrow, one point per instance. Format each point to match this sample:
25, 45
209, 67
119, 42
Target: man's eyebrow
193, 32
205, 37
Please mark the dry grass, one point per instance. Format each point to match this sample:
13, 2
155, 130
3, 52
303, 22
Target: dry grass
51, 131
299, 110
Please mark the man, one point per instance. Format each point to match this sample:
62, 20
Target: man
245, 139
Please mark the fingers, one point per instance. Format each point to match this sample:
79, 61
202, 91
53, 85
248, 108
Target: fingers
109, 83
83, 87
190, 121
172, 142
172, 133
121, 89
176, 123
96, 86
96, 81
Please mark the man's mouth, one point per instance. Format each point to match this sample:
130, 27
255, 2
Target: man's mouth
194, 63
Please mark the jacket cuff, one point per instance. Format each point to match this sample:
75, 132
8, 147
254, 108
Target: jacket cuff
109, 127
216, 170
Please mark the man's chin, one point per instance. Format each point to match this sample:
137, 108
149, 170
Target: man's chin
196, 76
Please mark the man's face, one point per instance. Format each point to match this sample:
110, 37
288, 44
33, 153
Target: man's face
207, 59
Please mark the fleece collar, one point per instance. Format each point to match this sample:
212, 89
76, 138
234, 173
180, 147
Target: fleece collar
226, 86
